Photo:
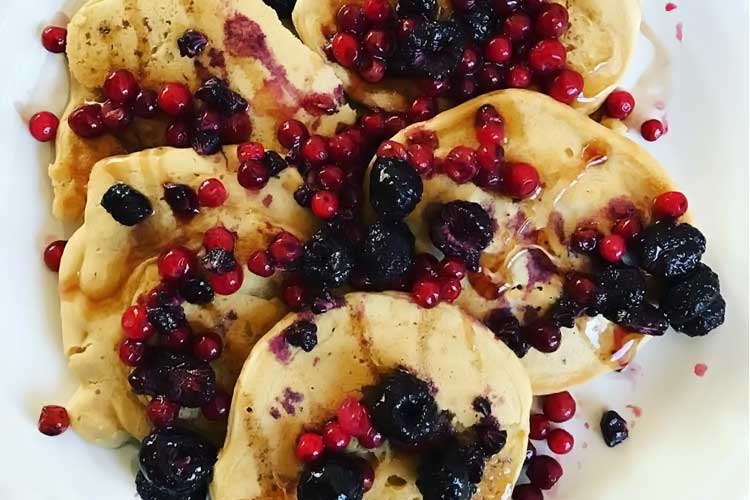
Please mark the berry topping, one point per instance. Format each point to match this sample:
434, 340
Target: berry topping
250, 151
527, 492
175, 99
310, 447
131, 352
520, 180
212, 193
86, 121
694, 305
585, 240
176, 263
395, 188
192, 43
148, 491
43, 126
285, 249
328, 259
219, 237
206, 143
620, 104
227, 283
387, 254
672, 205
208, 347
135, 324
53, 255
161, 412
315, 150
427, 8
426, 293
55, 39
178, 377
560, 441
145, 105
253, 174
539, 426
178, 135
621, 293
345, 49
335, 476
353, 417
219, 261
614, 428
126, 205
53, 420
237, 128
116, 117
462, 229
218, 409
670, 250
566, 86
445, 474
547, 56
431, 49
552, 21
335, 437
490, 438
506, 328
652, 130
324, 204
544, 472
559, 407
120, 87
612, 248
216, 93
461, 164
260, 263
498, 50
302, 334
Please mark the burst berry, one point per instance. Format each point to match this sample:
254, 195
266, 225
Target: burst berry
175, 99
227, 283
324, 204
652, 130
218, 408
612, 248
560, 441
161, 412
120, 87
547, 56
336, 439
450, 290
250, 151
212, 193
55, 39
671, 205
253, 175
345, 49
620, 104
208, 347
53, 420
292, 132
86, 121
498, 50
566, 86
544, 472
353, 417
219, 237
131, 352
176, 263
260, 263
135, 324
43, 126
426, 293
519, 77
520, 180
53, 255
539, 427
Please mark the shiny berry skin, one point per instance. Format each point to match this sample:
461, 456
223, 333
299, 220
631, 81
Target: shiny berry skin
371, 439
237, 128
433, 88
176, 263
368, 475
372, 70
253, 175
423, 108
461, 164
378, 43
208, 347
176, 341
452, 269
353, 417
53, 420
250, 151
285, 248
581, 289
527, 492
55, 39
612, 248
324, 204
335, 438
547, 56
219, 237
86, 121
330, 178
310, 447
131, 352
315, 150
178, 135
345, 49
544, 472
560, 441
344, 148
620, 104
517, 27
392, 149
671, 205
519, 77
373, 124
378, 12
491, 133
421, 158
116, 117
227, 283
489, 176
218, 409
652, 130
552, 21
406, 25
490, 77
498, 50
175, 99
566, 86
120, 87
544, 337
426, 265
395, 123
43, 126
145, 105
294, 295
292, 132
585, 240
260, 263
470, 61
520, 180
426, 293
628, 227
530, 453
212, 193
135, 324
162, 412
450, 290
351, 18
53, 255
539, 427
487, 114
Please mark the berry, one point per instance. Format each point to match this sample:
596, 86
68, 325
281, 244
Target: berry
176, 263
145, 105
208, 347
334, 476
461, 164
260, 263
432, 49
53, 420
53, 255
507, 329
292, 132
491, 134
131, 352
694, 304
120, 87
328, 259
395, 188
519, 77
237, 128
351, 18
175, 99
371, 439
178, 135
218, 409
294, 295
544, 472
43, 126
179, 377
285, 248
628, 227
621, 291
462, 229
335, 438
378, 12
520, 180
219, 261
479, 23
116, 117
315, 150
387, 254
426, 266
162, 412
585, 240
671, 205
182, 200
206, 143
544, 337
426, 293
620, 104
539, 427
560, 441
372, 70
530, 453
552, 22
55, 39
227, 283
452, 269
394, 124
498, 50
197, 291
126, 205
176, 341
517, 27
192, 43
353, 417
470, 61
421, 158
430, 87
86, 121
652, 130
219, 237
135, 324
345, 49
330, 178
378, 43
612, 248
580, 288
450, 290
373, 124
670, 250
324, 204
302, 334
445, 473
253, 175
566, 86
614, 428
527, 492
166, 318
491, 77
250, 151
423, 108
212, 193
426, 8
547, 56
216, 93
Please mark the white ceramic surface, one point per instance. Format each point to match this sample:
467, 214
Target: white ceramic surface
691, 440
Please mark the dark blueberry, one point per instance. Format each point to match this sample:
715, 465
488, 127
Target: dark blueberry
479, 23
475, 462
197, 291
432, 49
334, 477
206, 142
426, 8
302, 334
564, 312
647, 320
148, 491
283, 8
395, 188
670, 250
404, 410
462, 229
192, 43
126, 205
324, 301
614, 428
444, 474
167, 318
490, 437
696, 296
711, 319
387, 254
219, 261
181, 199
303, 195
178, 377
274, 162
506, 328
176, 461
328, 259
482, 406
621, 293
216, 93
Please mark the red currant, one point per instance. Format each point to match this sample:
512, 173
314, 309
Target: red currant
559, 407
671, 205
612, 248
219, 237
175, 99
55, 39
43, 126
426, 293
53, 255
324, 204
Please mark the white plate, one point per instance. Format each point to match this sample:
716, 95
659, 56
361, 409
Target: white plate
690, 442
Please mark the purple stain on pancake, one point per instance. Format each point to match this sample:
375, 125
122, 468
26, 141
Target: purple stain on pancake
290, 401
280, 349
539, 266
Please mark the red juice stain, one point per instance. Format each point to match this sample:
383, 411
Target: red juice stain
669, 7
637, 410
267, 200
619, 208
216, 59
280, 349
539, 267
679, 32
700, 369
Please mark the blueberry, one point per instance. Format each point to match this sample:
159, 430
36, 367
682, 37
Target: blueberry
302, 334
614, 428
711, 319
395, 188
167, 318
327, 260
206, 142
507, 328
126, 205
670, 250
491, 438
426, 8
462, 229
334, 477
621, 293
181, 199
479, 23
387, 254
197, 291
148, 491
444, 474
564, 312
274, 162
432, 49
283, 8
647, 320
219, 261
693, 297
178, 377
216, 93
176, 461
192, 43
404, 410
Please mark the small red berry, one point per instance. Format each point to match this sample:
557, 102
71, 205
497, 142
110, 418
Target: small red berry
131, 352
566, 86
253, 175
652, 130
292, 132
519, 77
55, 39
353, 417
620, 104
86, 121
351, 18
175, 99
423, 108
450, 290
378, 12
218, 409
330, 178
539, 426
294, 295
469, 61
345, 49
491, 133
487, 114
585, 240
324, 204
430, 87
520, 180
208, 347
373, 124
53, 254
315, 150
406, 25
612, 248
671, 205
517, 26
489, 176
543, 337
310, 447
527, 492
452, 268
53, 420
120, 87
135, 323
285, 248
559, 407
237, 128
422, 158
580, 288
628, 227
490, 156
116, 117
491, 76
336, 439
395, 123
43, 126
176, 341
378, 43
371, 439
498, 50
426, 266
178, 135
219, 237
250, 151
212, 193
461, 164
392, 149
344, 148
260, 263
547, 56
372, 70
552, 21
176, 263
227, 283
544, 472
426, 293
161, 412
368, 475
145, 105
